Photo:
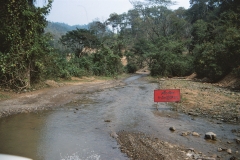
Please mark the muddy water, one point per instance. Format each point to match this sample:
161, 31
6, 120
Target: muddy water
81, 130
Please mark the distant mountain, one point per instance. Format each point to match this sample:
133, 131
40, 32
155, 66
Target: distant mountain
58, 29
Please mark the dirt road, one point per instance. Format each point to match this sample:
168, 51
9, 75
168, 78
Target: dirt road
48, 98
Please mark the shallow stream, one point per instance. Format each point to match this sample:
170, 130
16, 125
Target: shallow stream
81, 130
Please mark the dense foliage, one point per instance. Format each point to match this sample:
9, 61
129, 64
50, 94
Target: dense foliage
204, 39
24, 47
160, 39
216, 36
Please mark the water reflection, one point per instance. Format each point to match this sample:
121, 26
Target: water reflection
57, 135
19, 134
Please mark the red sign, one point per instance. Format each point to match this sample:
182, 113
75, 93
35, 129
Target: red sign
167, 95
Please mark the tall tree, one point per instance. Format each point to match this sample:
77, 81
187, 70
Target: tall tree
23, 43
78, 39
215, 41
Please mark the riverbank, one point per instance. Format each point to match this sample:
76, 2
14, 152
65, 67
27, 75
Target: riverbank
205, 99
52, 94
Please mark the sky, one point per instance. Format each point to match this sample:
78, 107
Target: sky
79, 12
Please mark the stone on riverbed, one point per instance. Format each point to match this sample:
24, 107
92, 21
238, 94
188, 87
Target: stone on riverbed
114, 135
195, 134
210, 135
238, 141
172, 128
229, 151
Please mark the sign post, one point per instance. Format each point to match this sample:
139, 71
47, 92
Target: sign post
167, 95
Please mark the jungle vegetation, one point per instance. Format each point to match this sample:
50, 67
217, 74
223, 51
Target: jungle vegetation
204, 38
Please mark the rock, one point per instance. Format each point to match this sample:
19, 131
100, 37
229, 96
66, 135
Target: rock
238, 141
172, 129
219, 149
190, 155
191, 113
170, 146
214, 156
233, 158
114, 135
210, 135
107, 120
195, 134
191, 149
229, 151
51, 83
185, 133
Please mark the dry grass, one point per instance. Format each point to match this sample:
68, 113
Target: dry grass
4, 96
205, 98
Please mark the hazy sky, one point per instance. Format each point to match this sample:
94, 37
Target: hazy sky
81, 12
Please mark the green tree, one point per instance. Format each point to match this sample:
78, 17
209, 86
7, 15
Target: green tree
215, 42
23, 44
99, 29
77, 39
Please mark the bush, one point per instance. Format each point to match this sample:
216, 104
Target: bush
131, 68
167, 64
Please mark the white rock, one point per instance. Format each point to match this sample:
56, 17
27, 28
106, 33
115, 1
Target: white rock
210, 135
195, 134
114, 135
229, 151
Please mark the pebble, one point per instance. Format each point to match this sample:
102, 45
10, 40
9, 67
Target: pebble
238, 141
195, 134
233, 158
191, 149
210, 135
172, 129
184, 134
114, 135
229, 151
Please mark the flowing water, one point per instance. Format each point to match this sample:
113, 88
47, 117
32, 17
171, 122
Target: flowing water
81, 130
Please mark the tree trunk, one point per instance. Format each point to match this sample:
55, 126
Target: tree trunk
28, 77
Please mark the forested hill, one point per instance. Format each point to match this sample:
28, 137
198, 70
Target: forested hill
204, 39
58, 29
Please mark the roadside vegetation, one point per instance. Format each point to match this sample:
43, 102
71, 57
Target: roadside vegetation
204, 39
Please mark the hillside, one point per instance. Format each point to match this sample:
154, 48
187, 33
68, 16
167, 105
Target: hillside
58, 29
